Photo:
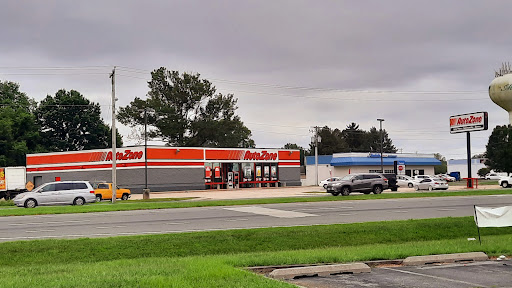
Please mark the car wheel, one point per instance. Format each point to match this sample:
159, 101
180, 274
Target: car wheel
416, 187
98, 198
79, 201
410, 185
504, 184
30, 203
325, 186
377, 189
335, 193
124, 197
345, 191
430, 188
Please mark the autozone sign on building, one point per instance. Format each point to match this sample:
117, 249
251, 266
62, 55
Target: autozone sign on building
468, 122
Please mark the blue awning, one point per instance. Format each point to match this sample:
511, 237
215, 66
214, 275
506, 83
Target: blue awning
322, 159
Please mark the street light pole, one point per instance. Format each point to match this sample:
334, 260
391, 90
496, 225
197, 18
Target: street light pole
381, 144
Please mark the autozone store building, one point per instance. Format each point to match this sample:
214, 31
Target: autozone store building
171, 168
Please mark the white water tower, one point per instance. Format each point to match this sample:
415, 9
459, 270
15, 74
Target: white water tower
500, 89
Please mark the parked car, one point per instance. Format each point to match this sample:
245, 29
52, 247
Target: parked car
505, 181
104, 191
405, 181
392, 181
419, 178
431, 184
54, 193
324, 183
495, 176
446, 177
364, 182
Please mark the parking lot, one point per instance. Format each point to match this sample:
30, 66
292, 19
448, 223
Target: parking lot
475, 274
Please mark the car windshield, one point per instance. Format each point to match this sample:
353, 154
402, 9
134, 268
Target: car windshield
347, 177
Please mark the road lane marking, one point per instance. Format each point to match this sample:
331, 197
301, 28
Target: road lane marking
270, 212
234, 220
401, 211
346, 214
177, 223
446, 209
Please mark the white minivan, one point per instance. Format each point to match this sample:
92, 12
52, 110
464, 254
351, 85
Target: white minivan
55, 193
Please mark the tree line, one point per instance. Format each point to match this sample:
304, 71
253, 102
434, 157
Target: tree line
180, 109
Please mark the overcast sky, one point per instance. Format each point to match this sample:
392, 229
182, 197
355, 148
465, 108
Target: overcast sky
291, 64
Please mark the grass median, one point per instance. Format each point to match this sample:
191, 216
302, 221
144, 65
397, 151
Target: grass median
10, 210
217, 258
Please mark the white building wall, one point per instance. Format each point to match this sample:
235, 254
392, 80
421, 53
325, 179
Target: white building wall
461, 165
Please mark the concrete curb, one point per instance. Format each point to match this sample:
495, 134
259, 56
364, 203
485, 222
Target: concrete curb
325, 270
445, 258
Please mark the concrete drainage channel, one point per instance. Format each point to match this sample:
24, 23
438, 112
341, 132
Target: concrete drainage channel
296, 271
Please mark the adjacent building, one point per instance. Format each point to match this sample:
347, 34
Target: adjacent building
341, 164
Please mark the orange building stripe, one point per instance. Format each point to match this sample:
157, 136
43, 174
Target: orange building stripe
172, 153
285, 155
224, 154
63, 158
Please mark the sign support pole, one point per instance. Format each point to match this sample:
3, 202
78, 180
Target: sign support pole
468, 140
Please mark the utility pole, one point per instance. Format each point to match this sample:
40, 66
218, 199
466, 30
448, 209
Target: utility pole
316, 139
146, 147
381, 144
114, 136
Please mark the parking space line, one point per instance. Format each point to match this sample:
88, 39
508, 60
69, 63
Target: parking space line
435, 277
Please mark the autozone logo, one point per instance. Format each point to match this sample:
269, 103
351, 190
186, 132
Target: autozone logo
126, 155
466, 120
264, 155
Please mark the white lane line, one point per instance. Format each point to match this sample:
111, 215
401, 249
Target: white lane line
38, 231
55, 222
346, 214
401, 211
346, 207
177, 223
102, 227
16, 224
120, 226
234, 220
445, 209
270, 212
102, 234
435, 277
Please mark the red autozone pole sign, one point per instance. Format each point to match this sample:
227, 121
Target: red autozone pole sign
468, 122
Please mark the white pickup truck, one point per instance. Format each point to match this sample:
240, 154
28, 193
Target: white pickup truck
505, 181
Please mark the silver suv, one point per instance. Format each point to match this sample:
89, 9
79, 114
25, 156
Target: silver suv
62, 192
364, 182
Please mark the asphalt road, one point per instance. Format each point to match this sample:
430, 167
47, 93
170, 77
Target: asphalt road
107, 224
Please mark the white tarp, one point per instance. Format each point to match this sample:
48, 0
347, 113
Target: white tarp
493, 217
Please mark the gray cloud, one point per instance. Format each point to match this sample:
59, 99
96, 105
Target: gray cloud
346, 45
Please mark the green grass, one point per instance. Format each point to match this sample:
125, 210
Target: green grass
217, 258
168, 203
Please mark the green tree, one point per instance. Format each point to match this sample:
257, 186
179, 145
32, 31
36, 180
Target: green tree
186, 111
443, 168
499, 149
296, 147
373, 141
483, 171
331, 141
355, 138
18, 130
70, 122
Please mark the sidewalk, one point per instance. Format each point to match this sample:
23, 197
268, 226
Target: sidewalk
272, 192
